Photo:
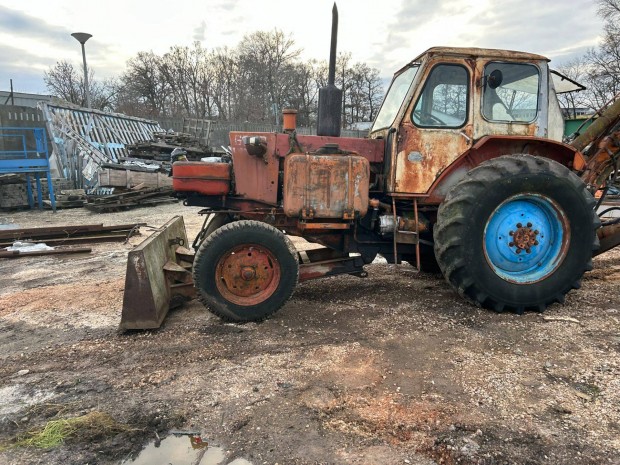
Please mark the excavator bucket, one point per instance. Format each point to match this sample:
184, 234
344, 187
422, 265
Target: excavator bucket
158, 277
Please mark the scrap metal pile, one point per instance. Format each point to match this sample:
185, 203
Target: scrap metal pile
162, 144
23, 242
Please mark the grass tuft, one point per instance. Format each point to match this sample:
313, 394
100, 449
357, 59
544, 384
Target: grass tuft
55, 432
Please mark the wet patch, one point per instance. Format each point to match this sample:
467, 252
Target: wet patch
184, 448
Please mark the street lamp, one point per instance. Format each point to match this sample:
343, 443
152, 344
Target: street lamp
82, 37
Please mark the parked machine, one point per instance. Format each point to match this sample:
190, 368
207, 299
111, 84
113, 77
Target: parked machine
464, 171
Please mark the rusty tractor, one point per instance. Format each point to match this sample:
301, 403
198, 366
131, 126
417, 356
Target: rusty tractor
464, 172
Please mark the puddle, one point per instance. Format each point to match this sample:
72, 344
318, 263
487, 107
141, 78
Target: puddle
183, 449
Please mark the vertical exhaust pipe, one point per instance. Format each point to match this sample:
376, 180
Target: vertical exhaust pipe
330, 97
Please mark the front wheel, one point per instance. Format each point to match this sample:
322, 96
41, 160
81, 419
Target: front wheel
245, 271
516, 233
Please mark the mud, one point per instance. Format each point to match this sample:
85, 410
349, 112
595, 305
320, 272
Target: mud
390, 369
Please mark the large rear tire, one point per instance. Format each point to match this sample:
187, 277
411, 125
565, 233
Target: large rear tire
245, 271
516, 233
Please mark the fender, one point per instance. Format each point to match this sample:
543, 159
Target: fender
489, 147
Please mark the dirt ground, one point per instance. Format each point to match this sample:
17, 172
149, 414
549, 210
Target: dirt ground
390, 369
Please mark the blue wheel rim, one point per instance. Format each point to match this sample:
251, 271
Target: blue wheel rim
526, 238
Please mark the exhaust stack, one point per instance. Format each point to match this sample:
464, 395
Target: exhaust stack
330, 97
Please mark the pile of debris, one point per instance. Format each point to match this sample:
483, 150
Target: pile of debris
149, 162
163, 143
117, 199
14, 190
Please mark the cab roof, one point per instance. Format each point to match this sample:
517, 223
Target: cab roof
473, 52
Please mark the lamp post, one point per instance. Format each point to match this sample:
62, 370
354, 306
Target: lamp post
82, 37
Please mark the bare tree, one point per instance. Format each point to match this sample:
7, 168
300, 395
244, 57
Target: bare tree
602, 64
268, 56
254, 82
362, 91
143, 92
63, 80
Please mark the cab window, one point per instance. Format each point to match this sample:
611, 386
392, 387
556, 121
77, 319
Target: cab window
443, 101
510, 92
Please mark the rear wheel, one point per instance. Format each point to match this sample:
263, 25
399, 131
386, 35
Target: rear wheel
245, 271
516, 233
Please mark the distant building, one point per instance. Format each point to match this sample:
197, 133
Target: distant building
577, 112
22, 99
576, 120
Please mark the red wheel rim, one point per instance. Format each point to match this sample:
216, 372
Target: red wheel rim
247, 275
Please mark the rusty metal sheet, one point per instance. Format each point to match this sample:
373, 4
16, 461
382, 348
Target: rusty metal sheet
491, 147
256, 177
323, 226
326, 186
371, 149
423, 153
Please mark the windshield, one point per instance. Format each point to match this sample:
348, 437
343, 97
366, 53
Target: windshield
394, 98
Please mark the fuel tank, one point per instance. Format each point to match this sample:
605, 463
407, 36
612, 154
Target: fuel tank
204, 178
325, 186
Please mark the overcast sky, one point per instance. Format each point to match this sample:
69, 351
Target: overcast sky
35, 34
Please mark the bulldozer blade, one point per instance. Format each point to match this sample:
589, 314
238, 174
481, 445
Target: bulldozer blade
158, 273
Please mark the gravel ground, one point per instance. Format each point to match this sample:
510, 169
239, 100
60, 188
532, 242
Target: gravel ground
390, 369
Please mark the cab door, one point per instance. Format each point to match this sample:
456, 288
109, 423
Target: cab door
436, 129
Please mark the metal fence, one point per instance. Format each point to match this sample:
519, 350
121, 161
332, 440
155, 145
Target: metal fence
215, 134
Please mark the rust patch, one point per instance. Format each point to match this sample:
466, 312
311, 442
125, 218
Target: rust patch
325, 186
423, 153
256, 178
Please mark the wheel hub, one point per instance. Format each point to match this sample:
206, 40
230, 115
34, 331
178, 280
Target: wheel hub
247, 274
526, 238
523, 238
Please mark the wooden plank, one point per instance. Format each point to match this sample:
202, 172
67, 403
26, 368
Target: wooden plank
129, 178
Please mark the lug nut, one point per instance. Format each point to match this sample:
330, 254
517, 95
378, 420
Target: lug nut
519, 225
529, 225
511, 244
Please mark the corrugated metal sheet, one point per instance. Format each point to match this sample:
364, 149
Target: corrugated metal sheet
82, 139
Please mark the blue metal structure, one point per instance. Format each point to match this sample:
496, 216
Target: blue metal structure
27, 153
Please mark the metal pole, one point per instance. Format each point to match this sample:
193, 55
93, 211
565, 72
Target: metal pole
87, 88
82, 37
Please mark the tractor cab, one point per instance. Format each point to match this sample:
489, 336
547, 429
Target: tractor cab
447, 99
